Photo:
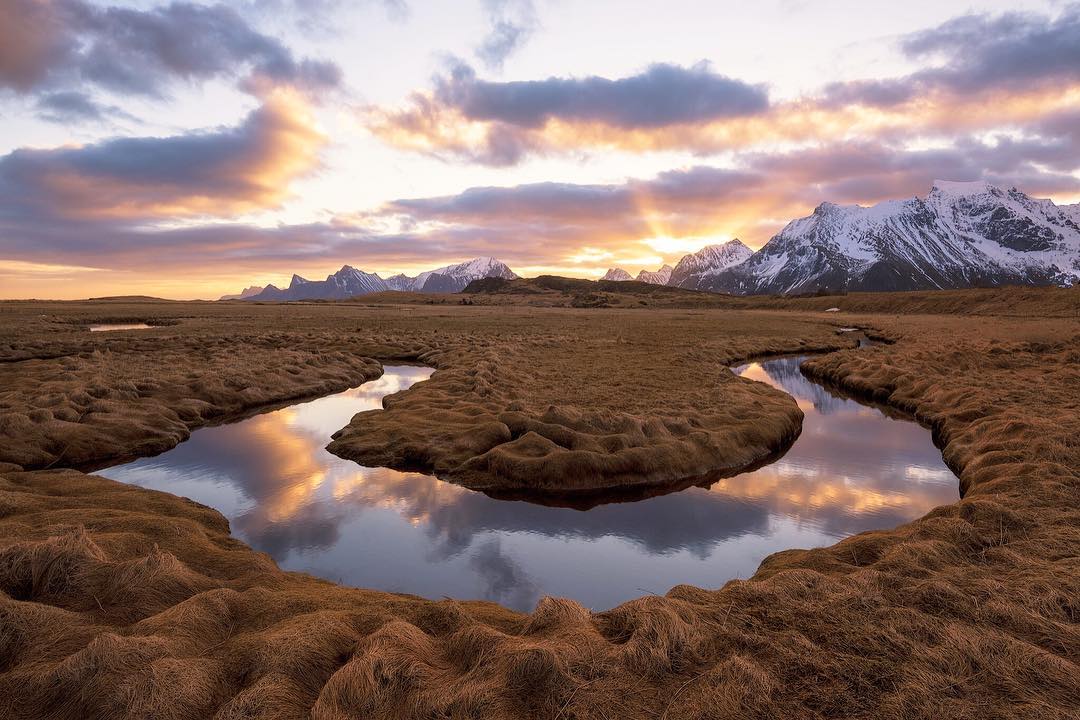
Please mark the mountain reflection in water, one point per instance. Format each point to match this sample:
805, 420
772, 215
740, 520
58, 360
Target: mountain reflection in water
852, 469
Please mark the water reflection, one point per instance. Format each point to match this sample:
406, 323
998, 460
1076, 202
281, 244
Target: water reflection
852, 469
104, 327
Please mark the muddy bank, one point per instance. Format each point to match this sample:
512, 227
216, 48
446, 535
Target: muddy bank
121, 602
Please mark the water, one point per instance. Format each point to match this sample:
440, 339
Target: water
852, 469
105, 327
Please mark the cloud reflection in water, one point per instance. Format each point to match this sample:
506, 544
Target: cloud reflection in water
852, 469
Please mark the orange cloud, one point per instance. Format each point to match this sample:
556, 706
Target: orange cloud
430, 127
224, 172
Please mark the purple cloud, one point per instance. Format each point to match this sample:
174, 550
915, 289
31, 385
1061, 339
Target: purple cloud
68, 42
660, 96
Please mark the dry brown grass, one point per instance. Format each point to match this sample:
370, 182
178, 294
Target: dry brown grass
122, 602
564, 292
536, 400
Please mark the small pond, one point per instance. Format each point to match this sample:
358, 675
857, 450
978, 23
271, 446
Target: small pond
853, 468
106, 327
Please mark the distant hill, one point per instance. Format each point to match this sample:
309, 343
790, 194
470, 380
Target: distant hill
578, 292
130, 298
244, 294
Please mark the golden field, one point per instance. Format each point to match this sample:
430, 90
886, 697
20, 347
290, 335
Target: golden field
123, 602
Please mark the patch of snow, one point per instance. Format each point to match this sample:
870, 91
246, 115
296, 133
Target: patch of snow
617, 275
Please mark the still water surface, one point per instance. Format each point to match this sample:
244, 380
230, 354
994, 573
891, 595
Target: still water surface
852, 469
105, 327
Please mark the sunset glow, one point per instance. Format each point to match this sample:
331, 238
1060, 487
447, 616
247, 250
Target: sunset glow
283, 138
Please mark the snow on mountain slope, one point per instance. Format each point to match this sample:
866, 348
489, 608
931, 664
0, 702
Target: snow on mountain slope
346, 282
1072, 212
459, 275
694, 269
962, 234
356, 282
660, 277
400, 282
617, 274
349, 282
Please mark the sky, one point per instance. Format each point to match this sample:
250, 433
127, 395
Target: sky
188, 150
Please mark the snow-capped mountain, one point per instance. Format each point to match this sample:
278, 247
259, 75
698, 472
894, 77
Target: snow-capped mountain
617, 274
346, 282
454, 278
400, 282
660, 277
697, 268
244, 294
960, 235
349, 282
1073, 212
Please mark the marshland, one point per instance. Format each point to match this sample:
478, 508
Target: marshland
691, 506
539, 360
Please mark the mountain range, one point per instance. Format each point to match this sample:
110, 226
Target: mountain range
349, 282
244, 294
692, 270
960, 235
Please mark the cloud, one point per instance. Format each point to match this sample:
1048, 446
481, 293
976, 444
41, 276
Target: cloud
219, 172
49, 45
498, 123
32, 41
316, 16
662, 95
983, 73
1011, 51
513, 22
751, 199
69, 106
504, 579
568, 227
979, 54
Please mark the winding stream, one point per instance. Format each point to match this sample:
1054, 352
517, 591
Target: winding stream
853, 468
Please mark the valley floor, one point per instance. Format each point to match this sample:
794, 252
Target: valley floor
123, 602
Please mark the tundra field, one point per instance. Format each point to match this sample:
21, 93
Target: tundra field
121, 602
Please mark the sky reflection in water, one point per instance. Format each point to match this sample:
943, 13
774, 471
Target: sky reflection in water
107, 327
852, 469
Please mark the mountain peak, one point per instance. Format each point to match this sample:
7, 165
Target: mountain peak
826, 207
617, 274
708, 261
350, 281
955, 188
660, 277
962, 234
247, 292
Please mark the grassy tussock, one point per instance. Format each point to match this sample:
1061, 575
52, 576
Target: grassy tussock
120, 602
